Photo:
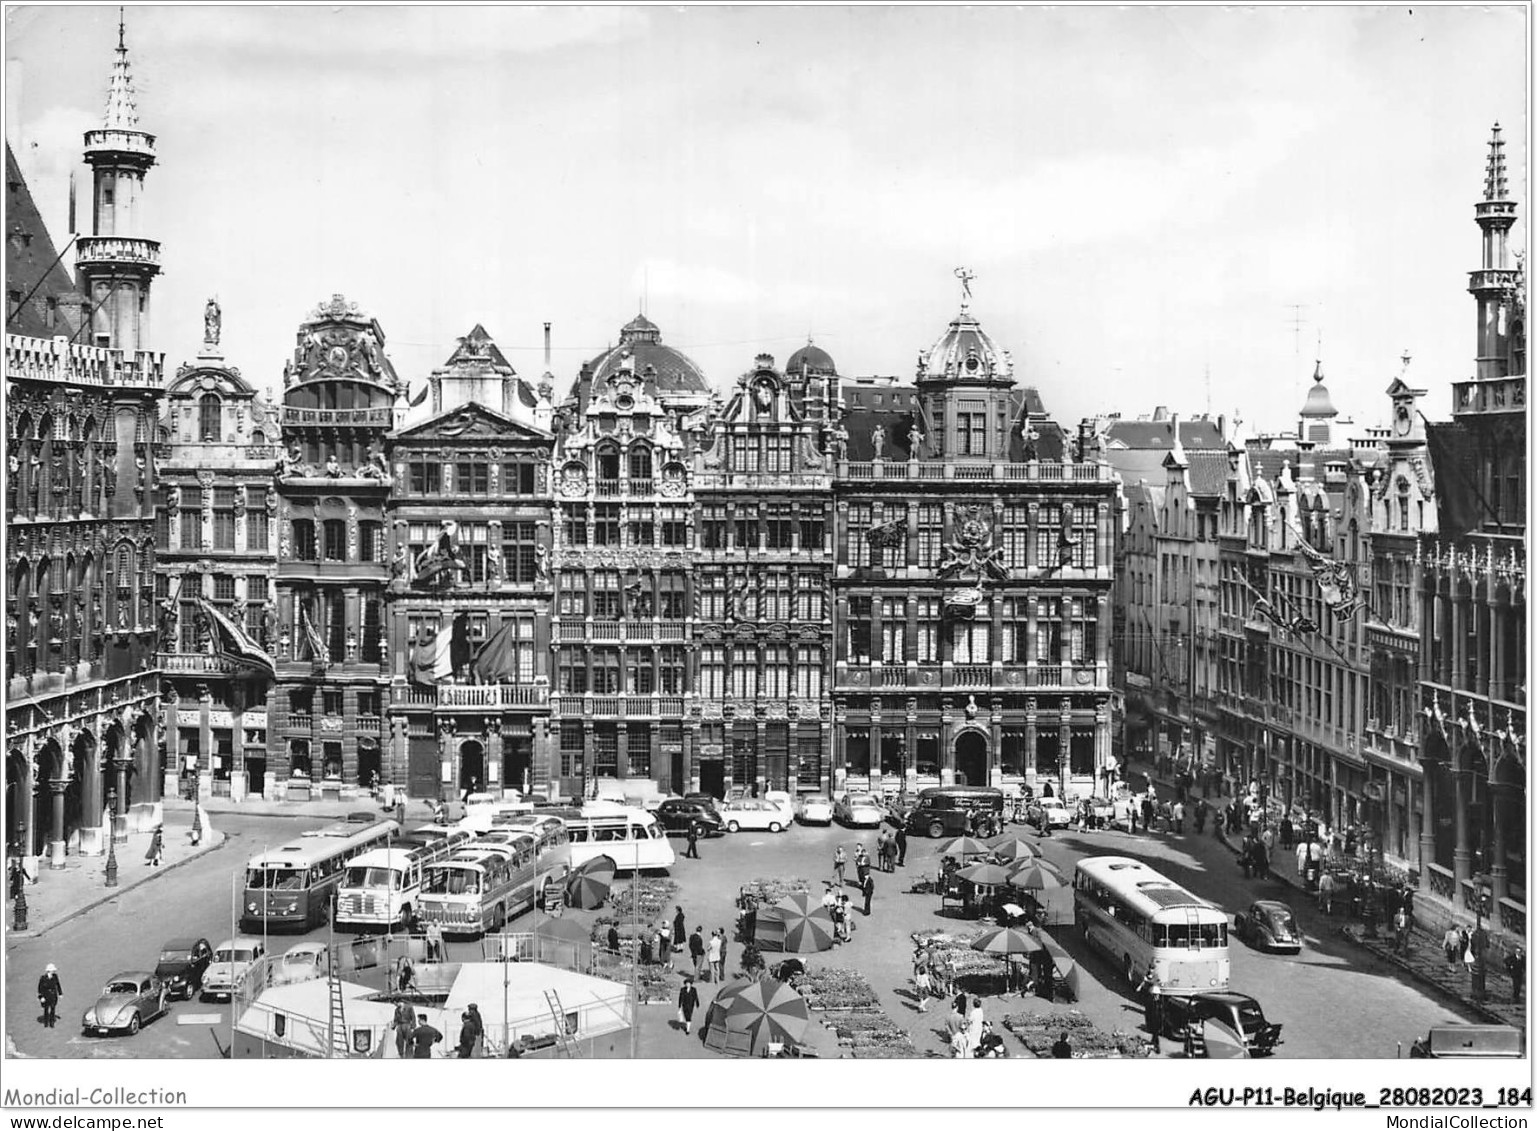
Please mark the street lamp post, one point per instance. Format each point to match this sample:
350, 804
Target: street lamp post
112, 839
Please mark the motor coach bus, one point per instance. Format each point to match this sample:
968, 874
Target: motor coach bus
292, 885
479, 889
552, 845
1145, 921
455, 836
632, 838
382, 888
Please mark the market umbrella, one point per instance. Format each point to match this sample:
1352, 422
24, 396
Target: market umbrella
1006, 940
1222, 1041
1014, 867
1012, 848
805, 924
991, 874
1037, 875
767, 1010
587, 887
963, 846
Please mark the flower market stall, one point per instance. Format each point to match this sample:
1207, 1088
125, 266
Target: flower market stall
1038, 1031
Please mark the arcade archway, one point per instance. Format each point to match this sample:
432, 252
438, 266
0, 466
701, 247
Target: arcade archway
971, 758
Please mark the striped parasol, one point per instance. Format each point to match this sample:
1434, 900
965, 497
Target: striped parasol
1222, 1042
963, 846
1037, 875
799, 923
766, 1009
989, 874
1013, 848
587, 887
1006, 940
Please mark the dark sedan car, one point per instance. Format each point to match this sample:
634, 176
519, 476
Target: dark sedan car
183, 962
1236, 1018
1268, 925
677, 814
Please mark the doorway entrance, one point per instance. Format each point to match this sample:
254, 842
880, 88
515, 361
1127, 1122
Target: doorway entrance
472, 765
370, 763
712, 778
971, 758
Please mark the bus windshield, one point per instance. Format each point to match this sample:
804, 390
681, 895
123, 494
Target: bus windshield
452, 881
372, 878
277, 879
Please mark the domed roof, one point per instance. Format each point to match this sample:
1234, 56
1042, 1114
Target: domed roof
675, 372
965, 352
810, 359
1318, 402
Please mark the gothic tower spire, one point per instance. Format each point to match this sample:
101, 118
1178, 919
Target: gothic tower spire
1495, 282
115, 264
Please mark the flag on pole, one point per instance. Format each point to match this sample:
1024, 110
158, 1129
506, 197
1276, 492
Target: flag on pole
431, 662
496, 661
229, 642
318, 651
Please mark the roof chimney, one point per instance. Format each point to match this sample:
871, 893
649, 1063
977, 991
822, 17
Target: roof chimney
1161, 413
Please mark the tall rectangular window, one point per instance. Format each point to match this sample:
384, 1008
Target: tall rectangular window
473, 539
224, 518
1048, 538
573, 593
191, 518
775, 593
672, 668
712, 530
744, 672
1085, 531
574, 524
1016, 536
426, 477
893, 550
859, 630
973, 642
572, 749
712, 671
605, 524
777, 453
860, 519
808, 672
335, 540
162, 520
642, 526
371, 541
1015, 629
256, 518
1081, 631
931, 529
605, 594
571, 670
746, 527
472, 478
778, 526
929, 627
674, 526
776, 671
605, 751
893, 630
971, 432
712, 596
808, 596
304, 539
518, 477
744, 452
1048, 630
672, 595
519, 556
813, 528
638, 751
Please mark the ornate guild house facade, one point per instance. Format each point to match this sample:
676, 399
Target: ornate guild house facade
972, 584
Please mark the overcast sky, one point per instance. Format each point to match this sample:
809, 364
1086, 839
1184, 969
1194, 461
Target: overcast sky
1143, 194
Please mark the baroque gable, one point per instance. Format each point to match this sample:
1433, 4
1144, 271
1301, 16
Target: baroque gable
471, 422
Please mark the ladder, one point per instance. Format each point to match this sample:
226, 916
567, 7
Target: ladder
563, 1039
337, 1019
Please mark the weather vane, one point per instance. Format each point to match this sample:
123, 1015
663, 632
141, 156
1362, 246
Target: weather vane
965, 275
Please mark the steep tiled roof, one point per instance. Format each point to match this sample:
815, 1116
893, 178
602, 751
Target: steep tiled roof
30, 267
1159, 434
1208, 472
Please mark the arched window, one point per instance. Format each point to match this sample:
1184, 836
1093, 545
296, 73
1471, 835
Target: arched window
608, 468
258, 437
1403, 504
640, 462
208, 428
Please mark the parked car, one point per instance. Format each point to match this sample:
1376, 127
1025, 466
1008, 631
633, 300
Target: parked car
677, 813
183, 962
709, 800
1183, 1017
859, 809
782, 801
1475, 1042
126, 1002
814, 809
231, 959
1049, 813
1268, 925
302, 962
750, 813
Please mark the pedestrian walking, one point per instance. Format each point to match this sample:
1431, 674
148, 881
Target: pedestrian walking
693, 841
434, 937
17, 881
1147, 814
861, 864
1408, 906
868, 887
1326, 886
1400, 931
1286, 831
156, 847
1178, 813
466, 1045
679, 930
956, 1027
688, 1001
921, 980
840, 860
975, 1021
404, 1021
1515, 966
901, 844
1451, 946
49, 991
717, 964
839, 916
